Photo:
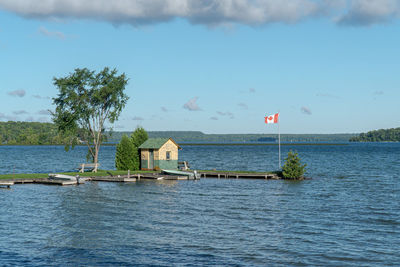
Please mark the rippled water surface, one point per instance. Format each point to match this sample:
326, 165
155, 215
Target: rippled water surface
347, 215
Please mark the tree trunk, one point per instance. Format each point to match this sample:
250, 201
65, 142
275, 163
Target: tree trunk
96, 156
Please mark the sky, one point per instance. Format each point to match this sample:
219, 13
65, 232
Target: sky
216, 66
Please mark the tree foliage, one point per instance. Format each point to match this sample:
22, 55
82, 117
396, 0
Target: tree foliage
200, 137
126, 155
86, 101
382, 135
293, 169
30, 133
138, 137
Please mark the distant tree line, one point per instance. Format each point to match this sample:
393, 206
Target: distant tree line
37, 133
200, 137
382, 135
30, 133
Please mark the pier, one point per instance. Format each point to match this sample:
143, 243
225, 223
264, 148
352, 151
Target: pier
237, 175
129, 178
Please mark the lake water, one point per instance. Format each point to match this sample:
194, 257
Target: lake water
347, 215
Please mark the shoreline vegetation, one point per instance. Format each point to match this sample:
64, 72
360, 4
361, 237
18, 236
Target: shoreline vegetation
209, 144
382, 135
38, 133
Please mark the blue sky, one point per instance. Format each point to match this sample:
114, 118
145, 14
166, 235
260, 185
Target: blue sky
213, 66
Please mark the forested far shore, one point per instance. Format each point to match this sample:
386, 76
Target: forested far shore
38, 133
382, 135
200, 137
29, 133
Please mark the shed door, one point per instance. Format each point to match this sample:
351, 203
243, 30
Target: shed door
151, 159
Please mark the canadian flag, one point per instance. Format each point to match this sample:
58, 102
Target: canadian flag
272, 118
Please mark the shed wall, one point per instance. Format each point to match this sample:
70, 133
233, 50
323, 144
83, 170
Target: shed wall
160, 157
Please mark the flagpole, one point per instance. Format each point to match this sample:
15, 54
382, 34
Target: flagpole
279, 141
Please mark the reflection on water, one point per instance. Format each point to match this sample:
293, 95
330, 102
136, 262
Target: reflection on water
348, 215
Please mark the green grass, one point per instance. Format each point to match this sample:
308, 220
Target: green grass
85, 174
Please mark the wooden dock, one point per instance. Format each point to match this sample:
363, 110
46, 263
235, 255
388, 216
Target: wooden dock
237, 175
114, 179
142, 176
36, 181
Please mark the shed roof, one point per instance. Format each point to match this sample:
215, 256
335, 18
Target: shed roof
156, 143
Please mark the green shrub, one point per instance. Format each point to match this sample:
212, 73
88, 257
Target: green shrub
126, 156
293, 169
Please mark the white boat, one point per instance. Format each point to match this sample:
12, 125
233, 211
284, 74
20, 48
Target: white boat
57, 176
190, 175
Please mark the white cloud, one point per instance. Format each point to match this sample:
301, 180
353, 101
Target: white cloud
137, 118
139, 12
228, 114
19, 93
5, 117
192, 105
211, 13
40, 97
252, 90
20, 112
326, 95
54, 34
368, 12
43, 112
164, 109
214, 118
306, 110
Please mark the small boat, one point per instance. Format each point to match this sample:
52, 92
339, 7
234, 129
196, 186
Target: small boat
64, 177
190, 175
56, 176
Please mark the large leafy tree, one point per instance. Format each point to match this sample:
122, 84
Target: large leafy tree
86, 101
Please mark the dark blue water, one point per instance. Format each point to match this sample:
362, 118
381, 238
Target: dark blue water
347, 215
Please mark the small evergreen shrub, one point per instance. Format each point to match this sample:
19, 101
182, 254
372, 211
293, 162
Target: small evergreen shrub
126, 156
293, 169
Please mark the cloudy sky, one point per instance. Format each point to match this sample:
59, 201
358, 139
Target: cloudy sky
217, 66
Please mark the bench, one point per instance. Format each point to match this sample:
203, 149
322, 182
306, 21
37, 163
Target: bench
183, 165
88, 166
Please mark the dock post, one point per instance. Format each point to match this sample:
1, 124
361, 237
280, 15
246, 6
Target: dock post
129, 174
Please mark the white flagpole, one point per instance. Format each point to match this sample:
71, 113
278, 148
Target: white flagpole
279, 140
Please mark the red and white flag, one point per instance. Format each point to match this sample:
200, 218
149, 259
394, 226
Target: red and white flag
272, 118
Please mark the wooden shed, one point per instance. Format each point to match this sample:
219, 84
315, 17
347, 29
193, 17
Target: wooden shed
159, 153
